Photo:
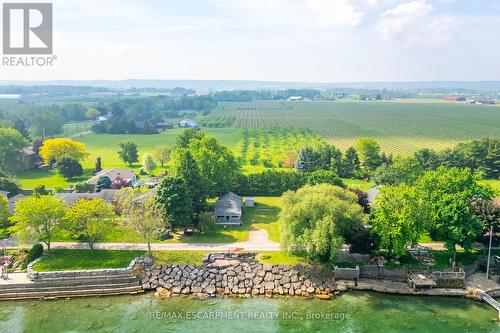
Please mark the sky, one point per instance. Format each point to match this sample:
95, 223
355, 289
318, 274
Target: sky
272, 40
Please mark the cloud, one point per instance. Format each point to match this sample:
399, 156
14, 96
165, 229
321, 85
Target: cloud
308, 13
415, 23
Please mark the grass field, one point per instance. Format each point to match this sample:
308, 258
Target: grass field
495, 184
265, 216
401, 127
62, 259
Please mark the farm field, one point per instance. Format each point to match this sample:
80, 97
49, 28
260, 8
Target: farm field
401, 127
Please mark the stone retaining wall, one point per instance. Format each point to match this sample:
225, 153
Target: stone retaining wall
235, 277
144, 261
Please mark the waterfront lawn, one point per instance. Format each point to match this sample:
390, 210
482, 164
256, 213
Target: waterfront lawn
264, 215
73, 259
186, 257
279, 257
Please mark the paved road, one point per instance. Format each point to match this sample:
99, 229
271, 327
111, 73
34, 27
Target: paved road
257, 241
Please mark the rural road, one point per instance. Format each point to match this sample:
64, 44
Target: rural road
257, 241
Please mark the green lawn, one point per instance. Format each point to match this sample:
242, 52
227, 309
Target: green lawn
494, 183
61, 259
279, 257
359, 184
179, 257
265, 215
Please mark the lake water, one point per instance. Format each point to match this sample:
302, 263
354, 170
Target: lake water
351, 312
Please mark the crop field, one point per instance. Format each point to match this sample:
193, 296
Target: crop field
401, 127
272, 147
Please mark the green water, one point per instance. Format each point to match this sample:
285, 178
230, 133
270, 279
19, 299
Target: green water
352, 312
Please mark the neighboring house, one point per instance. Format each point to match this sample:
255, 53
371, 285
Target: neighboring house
228, 209
127, 174
71, 198
372, 194
22, 160
149, 182
104, 118
189, 123
13, 200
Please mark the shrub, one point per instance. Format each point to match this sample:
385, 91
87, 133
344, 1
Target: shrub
35, 252
9, 185
40, 190
84, 187
69, 167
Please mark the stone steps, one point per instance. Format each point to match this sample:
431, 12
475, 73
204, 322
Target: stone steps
73, 286
102, 291
36, 288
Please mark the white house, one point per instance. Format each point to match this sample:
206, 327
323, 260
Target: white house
189, 123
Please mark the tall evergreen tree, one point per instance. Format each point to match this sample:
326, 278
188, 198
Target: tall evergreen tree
305, 160
351, 165
188, 170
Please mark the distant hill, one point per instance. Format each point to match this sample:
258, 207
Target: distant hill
212, 85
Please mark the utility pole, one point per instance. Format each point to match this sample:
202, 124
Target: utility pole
489, 254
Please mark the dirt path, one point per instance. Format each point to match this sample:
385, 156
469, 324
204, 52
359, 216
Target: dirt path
258, 240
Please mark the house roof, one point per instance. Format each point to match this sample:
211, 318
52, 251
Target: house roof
112, 173
4, 193
229, 204
71, 198
372, 194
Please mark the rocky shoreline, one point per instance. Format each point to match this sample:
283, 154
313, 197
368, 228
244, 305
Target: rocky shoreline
238, 276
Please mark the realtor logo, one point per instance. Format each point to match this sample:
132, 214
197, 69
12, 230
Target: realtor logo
27, 28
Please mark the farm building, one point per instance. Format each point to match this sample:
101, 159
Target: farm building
249, 201
455, 99
113, 173
189, 123
295, 98
228, 209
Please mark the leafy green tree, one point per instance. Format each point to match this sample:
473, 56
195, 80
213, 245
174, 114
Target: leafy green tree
128, 152
401, 171
369, 153
148, 164
141, 213
40, 190
206, 222
351, 166
92, 113
218, 166
37, 217
10, 142
103, 183
317, 220
398, 218
69, 167
487, 213
98, 164
90, 221
21, 128
9, 185
4, 217
173, 195
187, 136
162, 154
84, 187
447, 195
427, 158
492, 161
324, 177
187, 168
